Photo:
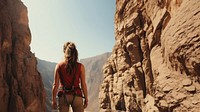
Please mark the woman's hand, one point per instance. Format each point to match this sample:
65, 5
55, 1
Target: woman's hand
54, 105
86, 103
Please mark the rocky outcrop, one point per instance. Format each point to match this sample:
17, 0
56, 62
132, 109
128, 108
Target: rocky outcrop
155, 63
21, 85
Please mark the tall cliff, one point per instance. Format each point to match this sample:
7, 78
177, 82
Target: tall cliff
155, 63
21, 87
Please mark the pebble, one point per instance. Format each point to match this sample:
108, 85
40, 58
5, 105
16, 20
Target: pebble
163, 103
180, 96
187, 82
167, 88
159, 95
190, 88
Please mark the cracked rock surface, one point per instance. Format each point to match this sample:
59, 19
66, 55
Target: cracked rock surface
155, 63
21, 87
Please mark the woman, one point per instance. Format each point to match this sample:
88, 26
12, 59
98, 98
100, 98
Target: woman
67, 76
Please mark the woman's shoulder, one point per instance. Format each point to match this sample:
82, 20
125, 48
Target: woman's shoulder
61, 63
80, 65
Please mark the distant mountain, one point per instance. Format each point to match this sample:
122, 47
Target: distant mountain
94, 77
46, 70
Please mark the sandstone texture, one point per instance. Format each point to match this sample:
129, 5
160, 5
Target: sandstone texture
155, 63
21, 87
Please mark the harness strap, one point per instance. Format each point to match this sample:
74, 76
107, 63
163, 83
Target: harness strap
73, 98
65, 100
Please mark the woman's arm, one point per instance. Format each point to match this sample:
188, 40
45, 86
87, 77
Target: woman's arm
55, 87
83, 85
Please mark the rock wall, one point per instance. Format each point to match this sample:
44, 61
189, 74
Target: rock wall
21, 87
155, 63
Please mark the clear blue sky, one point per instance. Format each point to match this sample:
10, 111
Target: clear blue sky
88, 23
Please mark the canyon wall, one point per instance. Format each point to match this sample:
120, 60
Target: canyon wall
155, 63
21, 87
